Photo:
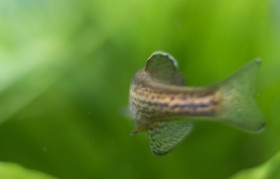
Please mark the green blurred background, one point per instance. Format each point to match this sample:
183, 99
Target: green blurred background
66, 67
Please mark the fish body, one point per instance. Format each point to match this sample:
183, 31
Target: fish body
163, 106
151, 101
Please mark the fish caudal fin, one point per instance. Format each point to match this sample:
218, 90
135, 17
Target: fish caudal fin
165, 135
238, 105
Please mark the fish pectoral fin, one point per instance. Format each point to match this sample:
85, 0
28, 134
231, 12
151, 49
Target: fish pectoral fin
165, 135
162, 67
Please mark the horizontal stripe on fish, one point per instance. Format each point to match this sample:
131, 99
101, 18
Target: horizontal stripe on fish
202, 103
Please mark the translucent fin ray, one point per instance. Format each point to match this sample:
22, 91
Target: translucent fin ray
165, 135
239, 107
162, 67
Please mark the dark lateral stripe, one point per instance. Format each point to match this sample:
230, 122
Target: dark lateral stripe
213, 102
201, 113
194, 106
149, 103
175, 106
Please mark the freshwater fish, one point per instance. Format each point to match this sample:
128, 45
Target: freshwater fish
161, 105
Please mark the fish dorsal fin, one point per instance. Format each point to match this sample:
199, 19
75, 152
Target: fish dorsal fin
165, 135
162, 67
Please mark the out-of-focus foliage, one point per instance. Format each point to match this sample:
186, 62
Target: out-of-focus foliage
268, 170
66, 66
12, 171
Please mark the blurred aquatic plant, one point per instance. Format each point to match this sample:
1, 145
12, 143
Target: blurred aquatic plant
11, 170
268, 170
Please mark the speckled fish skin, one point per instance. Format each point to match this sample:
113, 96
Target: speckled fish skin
151, 101
163, 106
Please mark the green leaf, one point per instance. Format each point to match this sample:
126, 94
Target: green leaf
13, 170
268, 170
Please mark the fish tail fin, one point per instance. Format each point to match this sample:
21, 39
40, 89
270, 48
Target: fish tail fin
239, 107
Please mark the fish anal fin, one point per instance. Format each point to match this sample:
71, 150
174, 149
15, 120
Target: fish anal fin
165, 135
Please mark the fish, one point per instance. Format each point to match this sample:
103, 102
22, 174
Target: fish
161, 104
